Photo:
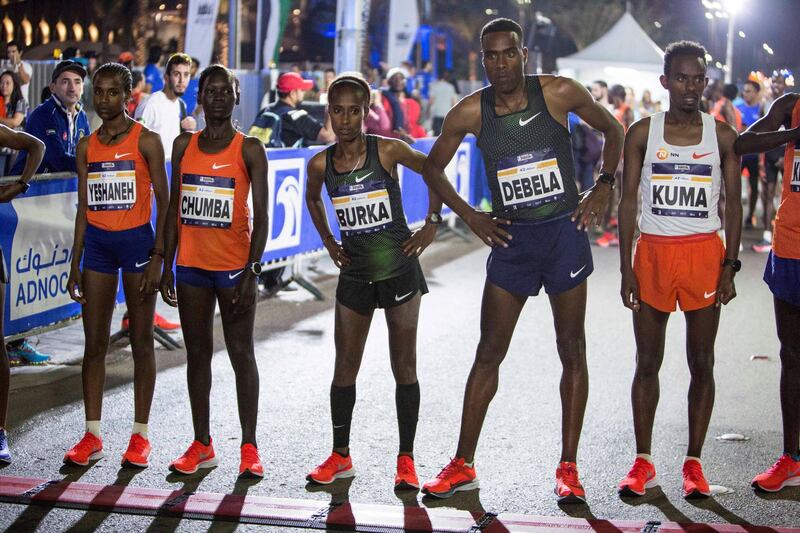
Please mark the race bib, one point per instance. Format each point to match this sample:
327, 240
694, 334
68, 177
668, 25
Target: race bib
207, 201
529, 180
362, 208
680, 190
795, 183
111, 185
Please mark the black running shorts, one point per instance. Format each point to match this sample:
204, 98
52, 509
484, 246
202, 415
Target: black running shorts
363, 297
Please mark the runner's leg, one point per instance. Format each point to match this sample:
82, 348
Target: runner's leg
701, 333
787, 317
140, 313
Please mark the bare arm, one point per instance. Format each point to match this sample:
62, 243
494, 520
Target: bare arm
74, 282
316, 208
23, 75
19, 140
732, 181
13, 121
635, 148
763, 134
153, 152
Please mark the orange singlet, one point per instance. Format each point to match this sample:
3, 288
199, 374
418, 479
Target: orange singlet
786, 238
213, 216
119, 190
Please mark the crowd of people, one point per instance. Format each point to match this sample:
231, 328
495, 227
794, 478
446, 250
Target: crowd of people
677, 166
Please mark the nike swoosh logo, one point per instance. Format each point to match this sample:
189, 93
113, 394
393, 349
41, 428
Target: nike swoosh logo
525, 122
117, 156
234, 276
337, 427
709, 294
575, 274
403, 297
695, 155
217, 167
362, 178
139, 265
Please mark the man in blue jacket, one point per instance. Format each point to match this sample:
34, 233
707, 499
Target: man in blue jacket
59, 121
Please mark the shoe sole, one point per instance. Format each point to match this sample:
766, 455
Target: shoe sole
791, 482
208, 463
351, 472
571, 498
249, 474
127, 463
94, 457
405, 485
470, 485
696, 494
5, 461
627, 491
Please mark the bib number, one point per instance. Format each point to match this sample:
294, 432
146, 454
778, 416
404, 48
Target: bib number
111, 185
680, 190
531, 179
364, 211
207, 201
795, 184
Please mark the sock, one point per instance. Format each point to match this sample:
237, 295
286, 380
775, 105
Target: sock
406, 399
343, 399
141, 429
646, 456
690, 458
469, 465
93, 427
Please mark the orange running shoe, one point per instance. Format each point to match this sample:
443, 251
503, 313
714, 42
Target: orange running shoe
198, 455
250, 465
163, 323
336, 466
454, 477
784, 473
406, 477
568, 486
695, 485
642, 476
609, 238
89, 448
137, 453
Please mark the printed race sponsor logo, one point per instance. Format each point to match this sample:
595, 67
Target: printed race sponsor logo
286, 180
662, 154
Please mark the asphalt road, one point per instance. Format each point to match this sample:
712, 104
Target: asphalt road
519, 448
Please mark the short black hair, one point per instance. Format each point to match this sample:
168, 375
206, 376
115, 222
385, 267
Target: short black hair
500, 25
730, 90
350, 79
601, 83
196, 61
755, 84
14, 42
617, 91
683, 48
154, 54
116, 69
136, 77
213, 69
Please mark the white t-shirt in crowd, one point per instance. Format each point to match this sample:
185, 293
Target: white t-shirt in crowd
163, 116
443, 96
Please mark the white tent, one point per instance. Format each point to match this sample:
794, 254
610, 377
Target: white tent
625, 55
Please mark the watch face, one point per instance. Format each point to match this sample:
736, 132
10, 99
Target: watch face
256, 268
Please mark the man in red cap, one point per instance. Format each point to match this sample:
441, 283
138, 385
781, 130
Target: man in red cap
297, 124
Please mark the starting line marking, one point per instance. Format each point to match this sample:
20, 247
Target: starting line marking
311, 514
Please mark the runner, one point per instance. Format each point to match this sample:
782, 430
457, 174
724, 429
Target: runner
120, 167
783, 277
379, 267
219, 260
678, 161
16, 140
751, 110
520, 122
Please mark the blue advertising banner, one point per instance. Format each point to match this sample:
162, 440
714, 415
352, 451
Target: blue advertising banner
37, 228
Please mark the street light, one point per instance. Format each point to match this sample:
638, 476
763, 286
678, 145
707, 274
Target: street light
732, 7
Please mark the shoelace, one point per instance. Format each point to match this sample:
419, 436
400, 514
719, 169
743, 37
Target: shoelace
570, 475
451, 468
85, 445
639, 470
250, 455
780, 464
692, 470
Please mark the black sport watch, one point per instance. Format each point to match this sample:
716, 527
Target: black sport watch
735, 264
434, 218
25, 186
607, 178
255, 268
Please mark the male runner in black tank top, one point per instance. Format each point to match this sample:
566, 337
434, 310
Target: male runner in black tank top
534, 231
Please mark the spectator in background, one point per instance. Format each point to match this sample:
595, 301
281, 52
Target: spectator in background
441, 98
719, 105
190, 96
619, 105
164, 112
16, 108
600, 93
59, 122
403, 111
297, 126
377, 120
136, 93
126, 59
328, 76
630, 99
751, 110
21, 68
646, 106
152, 74
87, 100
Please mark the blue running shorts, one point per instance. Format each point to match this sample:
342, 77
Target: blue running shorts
783, 278
108, 251
209, 279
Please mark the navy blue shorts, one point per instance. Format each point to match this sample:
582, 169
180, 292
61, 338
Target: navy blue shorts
783, 278
209, 279
108, 251
553, 254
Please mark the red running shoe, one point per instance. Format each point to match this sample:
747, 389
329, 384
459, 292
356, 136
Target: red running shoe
609, 238
568, 486
161, 322
336, 466
454, 477
197, 456
784, 473
642, 476
250, 465
89, 448
406, 477
137, 453
695, 485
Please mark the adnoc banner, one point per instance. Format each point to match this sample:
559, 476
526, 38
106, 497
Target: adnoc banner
201, 18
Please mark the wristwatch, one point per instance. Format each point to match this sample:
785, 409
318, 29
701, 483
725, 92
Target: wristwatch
735, 264
25, 186
607, 178
434, 218
255, 268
